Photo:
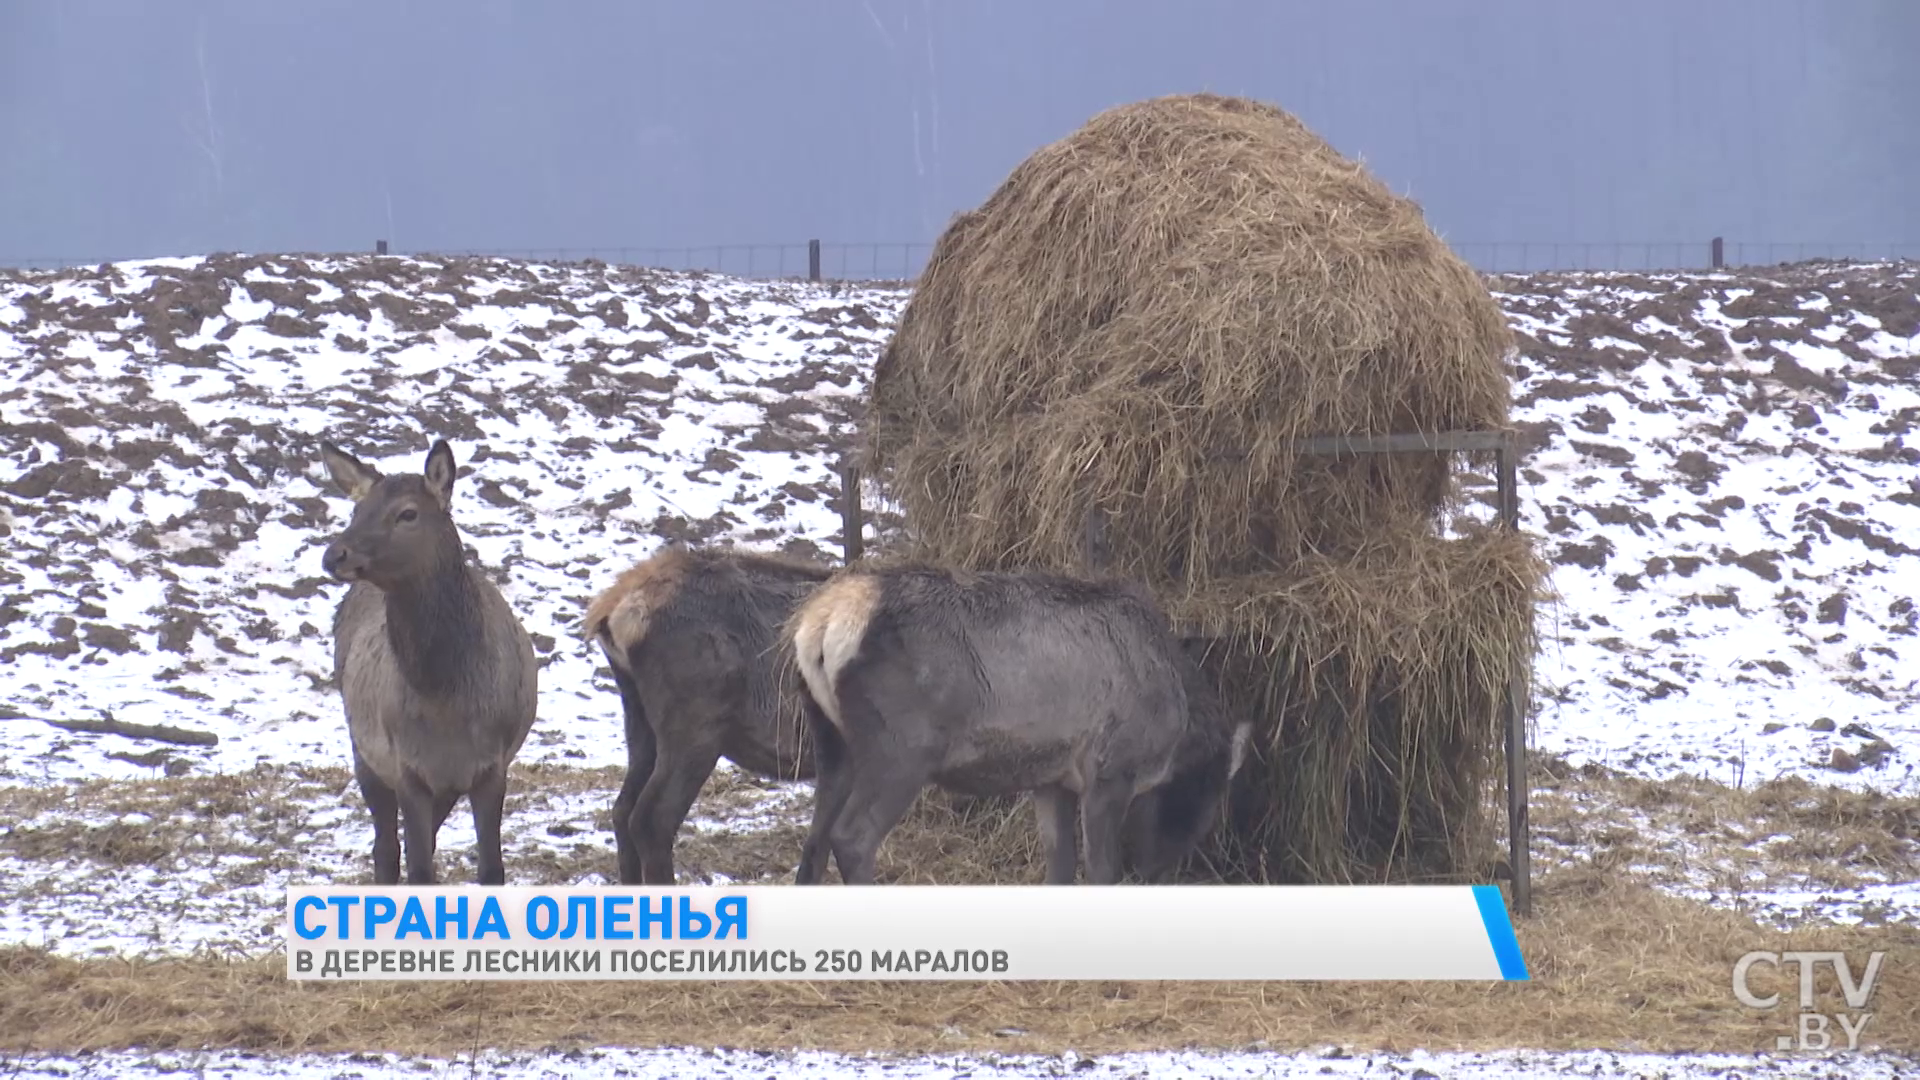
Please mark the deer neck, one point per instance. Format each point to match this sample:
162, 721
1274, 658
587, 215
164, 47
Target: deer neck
434, 626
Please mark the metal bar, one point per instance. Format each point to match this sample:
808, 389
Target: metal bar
1412, 441
1519, 830
852, 528
1409, 442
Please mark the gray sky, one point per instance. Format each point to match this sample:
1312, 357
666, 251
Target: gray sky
133, 129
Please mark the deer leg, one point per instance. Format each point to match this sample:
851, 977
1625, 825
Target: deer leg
662, 805
1144, 848
489, 801
385, 808
416, 823
640, 760
832, 771
1103, 819
829, 800
443, 809
641, 749
1056, 810
879, 795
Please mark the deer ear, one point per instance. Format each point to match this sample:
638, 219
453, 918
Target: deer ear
352, 476
440, 471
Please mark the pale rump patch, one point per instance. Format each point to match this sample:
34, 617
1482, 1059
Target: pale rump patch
623, 610
826, 632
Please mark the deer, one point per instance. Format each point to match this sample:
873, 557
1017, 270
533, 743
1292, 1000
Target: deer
995, 683
692, 636
437, 675
1165, 824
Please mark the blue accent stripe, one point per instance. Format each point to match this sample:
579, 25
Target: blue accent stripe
1506, 947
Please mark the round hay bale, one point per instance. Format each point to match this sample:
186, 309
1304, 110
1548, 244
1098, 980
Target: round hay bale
1380, 684
1180, 283
1142, 319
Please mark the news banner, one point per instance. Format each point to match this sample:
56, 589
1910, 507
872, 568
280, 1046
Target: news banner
1120, 932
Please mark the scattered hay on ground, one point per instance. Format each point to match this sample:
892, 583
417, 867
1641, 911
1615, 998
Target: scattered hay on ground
1615, 965
1785, 852
308, 822
1617, 960
1682, 833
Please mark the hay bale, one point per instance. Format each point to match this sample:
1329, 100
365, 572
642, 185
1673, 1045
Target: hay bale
1141, 319
1181, 279
1380, 683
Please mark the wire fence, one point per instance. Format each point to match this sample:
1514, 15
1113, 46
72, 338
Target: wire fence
1525, 257
819, 260
901, 261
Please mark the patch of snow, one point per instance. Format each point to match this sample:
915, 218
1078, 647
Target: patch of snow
678, 438
1733, 551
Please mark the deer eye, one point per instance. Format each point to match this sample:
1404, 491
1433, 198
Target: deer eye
409, 514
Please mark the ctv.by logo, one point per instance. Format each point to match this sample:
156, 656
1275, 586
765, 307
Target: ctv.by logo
1813, 1032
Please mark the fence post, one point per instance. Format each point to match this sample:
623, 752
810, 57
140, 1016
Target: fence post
852, 539
1093, 540
1719, 253
813, 260
1519, 829
379, 247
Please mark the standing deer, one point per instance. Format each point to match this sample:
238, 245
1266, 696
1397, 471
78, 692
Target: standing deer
437, 674
691, 637
995, 683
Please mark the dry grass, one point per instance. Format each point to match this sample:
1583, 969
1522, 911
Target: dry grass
255, 816
743, 827
1682, 832
1617, 962
1732, 845
1140, 321
1615, 966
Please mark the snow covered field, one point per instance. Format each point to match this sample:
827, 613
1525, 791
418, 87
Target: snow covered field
1722, 469
1721, 475
1725, 477
165, 506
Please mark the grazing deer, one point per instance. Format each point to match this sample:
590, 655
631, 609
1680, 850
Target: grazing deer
996, 683
691, 637
437, 674
1166, 823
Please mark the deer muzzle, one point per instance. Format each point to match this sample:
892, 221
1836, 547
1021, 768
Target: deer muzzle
342, 562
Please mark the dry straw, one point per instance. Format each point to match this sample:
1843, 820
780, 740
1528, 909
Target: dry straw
1142, 319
